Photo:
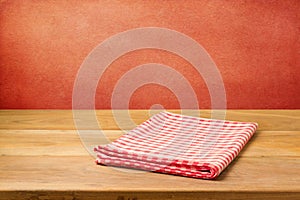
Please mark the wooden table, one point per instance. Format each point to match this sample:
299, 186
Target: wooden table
42, 158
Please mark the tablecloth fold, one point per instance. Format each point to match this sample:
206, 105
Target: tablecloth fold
179, 145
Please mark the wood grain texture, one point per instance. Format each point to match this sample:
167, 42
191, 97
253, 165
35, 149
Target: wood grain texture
275, 120
81, 173
67, 143
42, 158
145, 195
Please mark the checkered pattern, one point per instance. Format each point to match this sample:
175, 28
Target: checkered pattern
179, 145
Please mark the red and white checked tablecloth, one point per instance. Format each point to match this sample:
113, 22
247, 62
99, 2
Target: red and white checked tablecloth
180, 145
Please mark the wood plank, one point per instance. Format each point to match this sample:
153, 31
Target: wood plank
278, 120
80, 173
145, 195
67, 142
42, 158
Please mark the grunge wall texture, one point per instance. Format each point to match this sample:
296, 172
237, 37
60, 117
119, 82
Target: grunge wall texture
254, 43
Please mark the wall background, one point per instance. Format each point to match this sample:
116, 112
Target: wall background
255, 45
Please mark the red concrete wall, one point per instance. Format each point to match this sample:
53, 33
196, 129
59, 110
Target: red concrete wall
255, 45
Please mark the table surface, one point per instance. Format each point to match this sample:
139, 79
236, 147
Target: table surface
42, 157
